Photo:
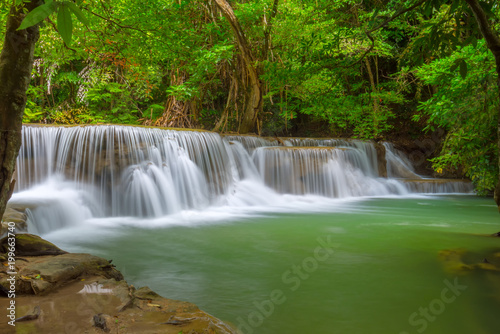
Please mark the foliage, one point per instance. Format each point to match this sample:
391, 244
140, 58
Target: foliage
467, 108
163, 60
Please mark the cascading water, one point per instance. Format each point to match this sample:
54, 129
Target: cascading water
325, 171
131, 171
121, 171
365, 151
398, 165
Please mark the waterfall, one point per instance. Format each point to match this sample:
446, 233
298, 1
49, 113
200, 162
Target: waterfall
76, 173
438, 186
129, 170
325, 171
398, 165
367, 155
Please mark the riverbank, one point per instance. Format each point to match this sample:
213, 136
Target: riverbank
60, 292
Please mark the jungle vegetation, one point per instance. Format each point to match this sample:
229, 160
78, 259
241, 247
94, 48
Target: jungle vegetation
370, 69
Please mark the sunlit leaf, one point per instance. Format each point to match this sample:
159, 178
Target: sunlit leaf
37, 15
78, 13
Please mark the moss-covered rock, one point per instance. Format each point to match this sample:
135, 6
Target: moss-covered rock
454, 261
31, 245
17, 216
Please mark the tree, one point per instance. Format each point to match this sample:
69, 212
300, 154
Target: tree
253, 105
16, 62
493, 42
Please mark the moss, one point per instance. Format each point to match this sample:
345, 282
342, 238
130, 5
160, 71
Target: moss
31, 245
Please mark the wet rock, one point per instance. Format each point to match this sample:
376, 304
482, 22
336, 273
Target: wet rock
59, 283
16, 215
31, 245
103, 321
381, 160
146, 293
33, 316
453, 262
48, 273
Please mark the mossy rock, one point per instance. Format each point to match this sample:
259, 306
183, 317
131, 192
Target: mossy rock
146, 293
14, 214
460, 261
31, 245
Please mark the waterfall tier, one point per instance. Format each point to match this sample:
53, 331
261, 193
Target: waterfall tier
118, 171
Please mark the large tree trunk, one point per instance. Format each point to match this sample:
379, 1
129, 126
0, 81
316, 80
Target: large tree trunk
254, 91
16, 61
493, 43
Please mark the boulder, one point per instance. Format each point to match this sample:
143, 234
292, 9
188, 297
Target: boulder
31, 245
16, 215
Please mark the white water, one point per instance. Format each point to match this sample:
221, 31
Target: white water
398, 165
76, 176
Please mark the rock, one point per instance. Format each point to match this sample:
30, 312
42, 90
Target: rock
33, 316
40, 286
58, 282
103, 321
31, 245
46, 274
4, 292
486, 266
381, 160
16, 215
453, 262
146, 293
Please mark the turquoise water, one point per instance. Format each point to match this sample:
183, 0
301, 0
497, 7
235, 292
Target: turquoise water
368, 266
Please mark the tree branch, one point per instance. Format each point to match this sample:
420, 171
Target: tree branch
400, 12
492, 39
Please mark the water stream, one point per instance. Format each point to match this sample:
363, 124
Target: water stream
304, 237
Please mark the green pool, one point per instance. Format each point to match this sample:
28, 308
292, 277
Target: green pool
366, 266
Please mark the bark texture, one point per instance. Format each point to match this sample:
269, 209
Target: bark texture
254, 92
16, 62
493, 43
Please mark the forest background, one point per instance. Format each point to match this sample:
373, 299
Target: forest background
391, 70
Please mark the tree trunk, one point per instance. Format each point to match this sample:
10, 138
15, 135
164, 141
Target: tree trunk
493, 43
254, 91
16, 62
375, 99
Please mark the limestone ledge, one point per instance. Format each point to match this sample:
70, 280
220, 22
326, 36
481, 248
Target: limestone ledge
60, 292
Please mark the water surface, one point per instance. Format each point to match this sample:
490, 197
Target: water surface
361, 266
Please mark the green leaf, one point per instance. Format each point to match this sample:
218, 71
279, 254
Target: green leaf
455, 65
18, 2
371, 23
463, 69
78, 13
37, 15
65, 24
